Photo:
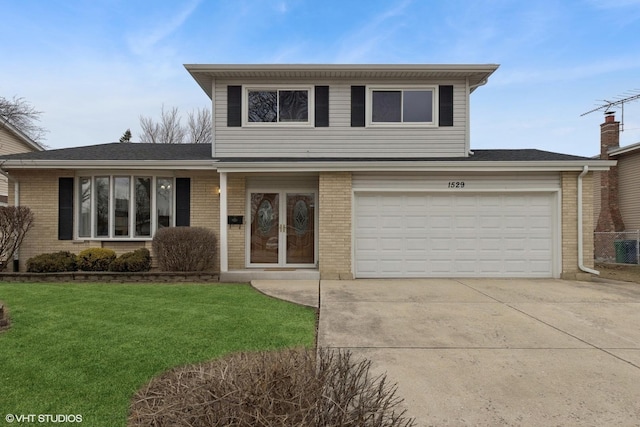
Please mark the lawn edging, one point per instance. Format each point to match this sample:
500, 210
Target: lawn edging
112, 276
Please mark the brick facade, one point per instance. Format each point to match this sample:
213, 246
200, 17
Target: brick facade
236, 205
38, 189
335, 207
610, 218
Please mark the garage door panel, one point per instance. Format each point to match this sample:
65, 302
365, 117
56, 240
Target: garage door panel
422, 235
417, 222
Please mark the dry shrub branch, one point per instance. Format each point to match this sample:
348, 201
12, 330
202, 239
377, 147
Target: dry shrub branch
15, 222
286, 388
4, 318
185, 248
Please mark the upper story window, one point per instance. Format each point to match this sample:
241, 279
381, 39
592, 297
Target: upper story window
392, 106
283, 106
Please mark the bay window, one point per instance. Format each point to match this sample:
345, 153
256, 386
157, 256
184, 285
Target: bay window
121, 206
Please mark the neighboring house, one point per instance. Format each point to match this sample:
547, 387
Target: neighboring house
331, 171
12, 140
616, 197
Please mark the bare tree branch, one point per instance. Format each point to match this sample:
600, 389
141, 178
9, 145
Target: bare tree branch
23, 116
170, 130
150, 130
15, 222
199, 126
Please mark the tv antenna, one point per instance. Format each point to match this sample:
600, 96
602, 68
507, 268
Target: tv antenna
628, 96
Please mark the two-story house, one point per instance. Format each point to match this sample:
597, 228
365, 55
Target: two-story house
330, 171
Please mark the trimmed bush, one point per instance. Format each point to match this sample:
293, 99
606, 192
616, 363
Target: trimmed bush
138, 260
269, 389
52, 262
95, 259
185, 248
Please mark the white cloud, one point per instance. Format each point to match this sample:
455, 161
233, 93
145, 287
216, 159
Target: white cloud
366, 42
141, 42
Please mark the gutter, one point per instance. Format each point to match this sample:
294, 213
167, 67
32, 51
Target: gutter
581, 265
109, 164
409, 166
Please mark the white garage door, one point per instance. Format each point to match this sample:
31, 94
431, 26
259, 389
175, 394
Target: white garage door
445, 235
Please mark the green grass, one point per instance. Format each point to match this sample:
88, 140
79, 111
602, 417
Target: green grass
86, 348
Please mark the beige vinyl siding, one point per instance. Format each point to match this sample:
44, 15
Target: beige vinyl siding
340, 139
10, 144
628, 184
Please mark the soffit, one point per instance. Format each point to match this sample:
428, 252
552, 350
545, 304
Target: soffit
205, 74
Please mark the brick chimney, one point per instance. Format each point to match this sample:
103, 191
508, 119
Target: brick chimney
610, 218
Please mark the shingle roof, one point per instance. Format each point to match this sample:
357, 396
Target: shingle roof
522, 155
173, 152
121, 151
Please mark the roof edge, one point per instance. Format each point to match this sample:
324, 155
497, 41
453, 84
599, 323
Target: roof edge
420, 166
208, 164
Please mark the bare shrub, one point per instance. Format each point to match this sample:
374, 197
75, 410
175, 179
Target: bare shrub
4, 318
284, 388
15, 222
185, 248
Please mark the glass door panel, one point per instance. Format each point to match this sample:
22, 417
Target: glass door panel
300, 228
265, 228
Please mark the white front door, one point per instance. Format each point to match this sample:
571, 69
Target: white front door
282, 229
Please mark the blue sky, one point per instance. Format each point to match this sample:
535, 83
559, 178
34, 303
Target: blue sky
94, 66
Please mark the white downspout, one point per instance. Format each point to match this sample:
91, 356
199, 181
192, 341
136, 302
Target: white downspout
581, 265
224, 253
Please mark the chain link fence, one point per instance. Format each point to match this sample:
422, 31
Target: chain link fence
617, 247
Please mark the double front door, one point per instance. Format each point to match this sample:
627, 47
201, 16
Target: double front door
283, 229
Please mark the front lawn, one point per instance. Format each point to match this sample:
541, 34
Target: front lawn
86, 348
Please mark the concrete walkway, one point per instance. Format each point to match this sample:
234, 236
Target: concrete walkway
492, 351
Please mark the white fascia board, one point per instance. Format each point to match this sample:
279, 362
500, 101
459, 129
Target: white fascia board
416, 166
109, 164
624, 150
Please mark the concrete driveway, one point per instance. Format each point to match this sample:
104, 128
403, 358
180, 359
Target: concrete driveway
495, 352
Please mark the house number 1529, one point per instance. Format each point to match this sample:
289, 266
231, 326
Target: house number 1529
456, 184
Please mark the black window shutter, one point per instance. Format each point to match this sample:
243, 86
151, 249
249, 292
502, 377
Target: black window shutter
183, 202
234, 106
445, 116
322, 106
357, 106
65, 208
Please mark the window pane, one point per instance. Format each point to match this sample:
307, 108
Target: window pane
386, 106
102, 206
417, 106
263, 106
294, 106
143, 206
164, 202
84, 216
122, 194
